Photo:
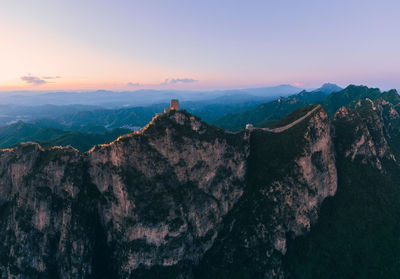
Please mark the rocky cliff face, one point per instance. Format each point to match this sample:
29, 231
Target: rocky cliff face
289, 176
357, 230
43, 217
166, 190
181, 198
152, 198
366, 131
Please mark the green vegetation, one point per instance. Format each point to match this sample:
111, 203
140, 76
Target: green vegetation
84, 141
357, 234
49, 155
266, 115
14, 134
238, 251
391, 96
84, 129
298, 113
211, 133
84, 120
349, 97
113, 118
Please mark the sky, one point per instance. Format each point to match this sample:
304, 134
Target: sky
130, 45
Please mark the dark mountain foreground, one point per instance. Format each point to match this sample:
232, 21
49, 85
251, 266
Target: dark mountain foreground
183, 199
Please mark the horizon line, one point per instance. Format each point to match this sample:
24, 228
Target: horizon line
179, 90
186, 90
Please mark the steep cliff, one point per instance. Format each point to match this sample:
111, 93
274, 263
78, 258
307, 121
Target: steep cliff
151, 198
45, 213
181, 199
357, 232
289, 175
166, 190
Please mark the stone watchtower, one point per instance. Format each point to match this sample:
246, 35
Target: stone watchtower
174, 104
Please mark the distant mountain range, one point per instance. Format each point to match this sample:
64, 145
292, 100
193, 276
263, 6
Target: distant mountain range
267, 114
51, 119
318, 198
112, 109
84, 126
111, 99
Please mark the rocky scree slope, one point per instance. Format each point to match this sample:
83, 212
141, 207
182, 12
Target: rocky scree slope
181, 200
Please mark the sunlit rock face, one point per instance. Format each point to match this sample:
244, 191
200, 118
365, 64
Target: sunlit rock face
181, 198
370, 127
166, 190
289, 176
153, 198
313, 179
44, 227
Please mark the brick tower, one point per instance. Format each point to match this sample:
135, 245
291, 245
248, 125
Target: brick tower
174, 104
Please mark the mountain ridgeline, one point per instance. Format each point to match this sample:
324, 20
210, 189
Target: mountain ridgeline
315, 196
14, 134
269, 113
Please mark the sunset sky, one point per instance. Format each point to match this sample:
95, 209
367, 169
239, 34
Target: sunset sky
129, 45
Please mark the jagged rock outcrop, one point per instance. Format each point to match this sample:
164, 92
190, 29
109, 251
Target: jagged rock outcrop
181, 197
167, 189
357, 229
290, 174
151, 198
314, 168
43, 220
367, 131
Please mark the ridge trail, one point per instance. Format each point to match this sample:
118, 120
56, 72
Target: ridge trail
284, 128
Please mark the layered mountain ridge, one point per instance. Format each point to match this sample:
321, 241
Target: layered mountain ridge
183, 199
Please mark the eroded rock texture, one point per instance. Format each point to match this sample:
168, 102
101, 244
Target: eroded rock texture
166, 191
366, 131
290, 174
152, 198
180, 199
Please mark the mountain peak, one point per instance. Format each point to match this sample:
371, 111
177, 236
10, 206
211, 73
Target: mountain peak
329, 88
